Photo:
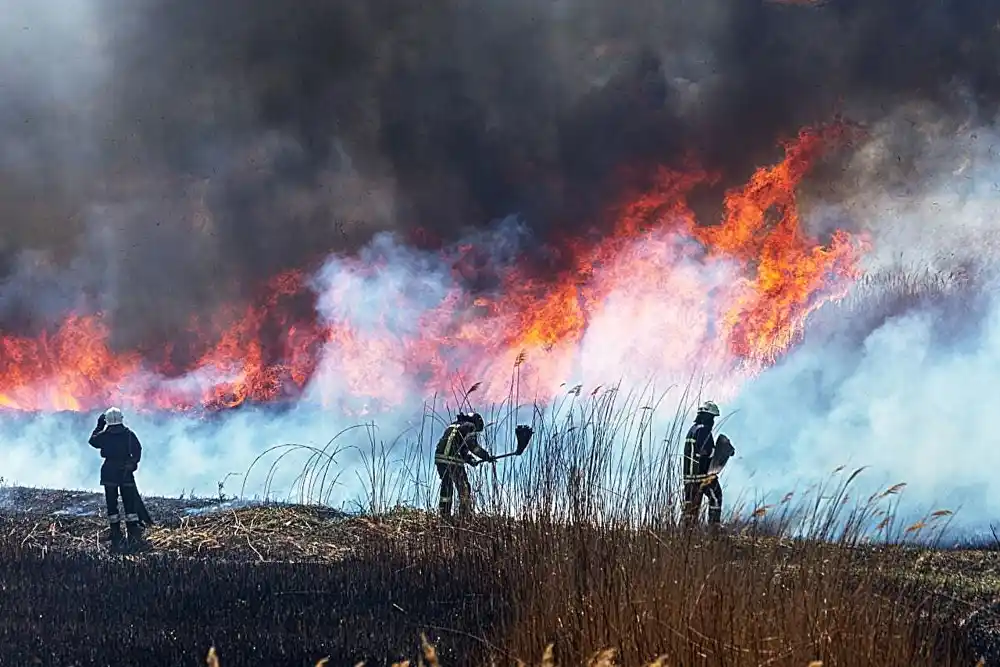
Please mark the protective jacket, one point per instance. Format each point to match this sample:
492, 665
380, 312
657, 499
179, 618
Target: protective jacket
699, 446
457, 444
121, 451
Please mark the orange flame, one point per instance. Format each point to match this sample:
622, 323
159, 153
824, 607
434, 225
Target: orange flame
660, 293
791, 270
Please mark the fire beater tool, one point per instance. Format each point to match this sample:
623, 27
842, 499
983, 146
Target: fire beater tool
141, 509
523, 434
724, 451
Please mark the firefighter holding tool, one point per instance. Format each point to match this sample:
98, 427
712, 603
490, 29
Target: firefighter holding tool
121, 451
704, 458
455, 450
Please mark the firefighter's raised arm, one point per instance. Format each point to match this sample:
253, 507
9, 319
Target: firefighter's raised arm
95, 439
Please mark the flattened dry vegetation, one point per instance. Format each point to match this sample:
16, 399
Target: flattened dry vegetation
255, 533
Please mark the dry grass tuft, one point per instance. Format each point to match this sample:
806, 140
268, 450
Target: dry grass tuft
430, 653
213, 660
606, 658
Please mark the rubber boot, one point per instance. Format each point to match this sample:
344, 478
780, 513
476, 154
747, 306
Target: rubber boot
134, 536
444, 507
117, 540
689, 517
714, 521
465, 508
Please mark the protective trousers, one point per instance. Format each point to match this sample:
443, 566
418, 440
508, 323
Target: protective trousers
693, 492
130, 498
453, 476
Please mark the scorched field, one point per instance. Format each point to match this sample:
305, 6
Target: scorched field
291, 242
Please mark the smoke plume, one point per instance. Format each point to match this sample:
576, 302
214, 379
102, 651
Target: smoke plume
176, 153
160, 160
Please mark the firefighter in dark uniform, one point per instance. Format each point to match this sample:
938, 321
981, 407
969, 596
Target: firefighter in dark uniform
454, 450
699, 448
121, 451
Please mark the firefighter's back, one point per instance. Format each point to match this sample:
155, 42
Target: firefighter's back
692, 442
447, 450
115, 443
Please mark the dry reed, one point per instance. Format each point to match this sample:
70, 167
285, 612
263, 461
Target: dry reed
575, 555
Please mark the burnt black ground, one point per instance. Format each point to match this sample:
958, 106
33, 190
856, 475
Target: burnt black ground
80, 609
287, 585
67, 601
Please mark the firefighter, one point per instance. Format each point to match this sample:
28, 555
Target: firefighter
121, 451
454, 450
699, 448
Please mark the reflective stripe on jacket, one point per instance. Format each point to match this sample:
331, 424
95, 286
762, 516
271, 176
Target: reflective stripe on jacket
698, 448
449, 447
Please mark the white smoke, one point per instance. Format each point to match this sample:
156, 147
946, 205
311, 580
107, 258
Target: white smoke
909, 397
385, 294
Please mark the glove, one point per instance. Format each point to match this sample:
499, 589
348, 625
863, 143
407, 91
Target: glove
101, 422
131, 466
523, 434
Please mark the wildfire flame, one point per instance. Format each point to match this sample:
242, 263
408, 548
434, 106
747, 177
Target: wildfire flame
659, 293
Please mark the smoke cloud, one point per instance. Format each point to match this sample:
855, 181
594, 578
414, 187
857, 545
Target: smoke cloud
167, 156
897, 376
159, 159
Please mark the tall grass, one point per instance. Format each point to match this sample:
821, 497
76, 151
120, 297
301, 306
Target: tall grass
579, 538
580, 541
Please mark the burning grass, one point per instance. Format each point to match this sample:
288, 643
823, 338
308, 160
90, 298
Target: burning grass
575, 548
743, 285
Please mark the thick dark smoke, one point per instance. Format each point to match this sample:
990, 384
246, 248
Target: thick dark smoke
160, 157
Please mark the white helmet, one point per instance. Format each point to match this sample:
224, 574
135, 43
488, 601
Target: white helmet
113, 416
707, 407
